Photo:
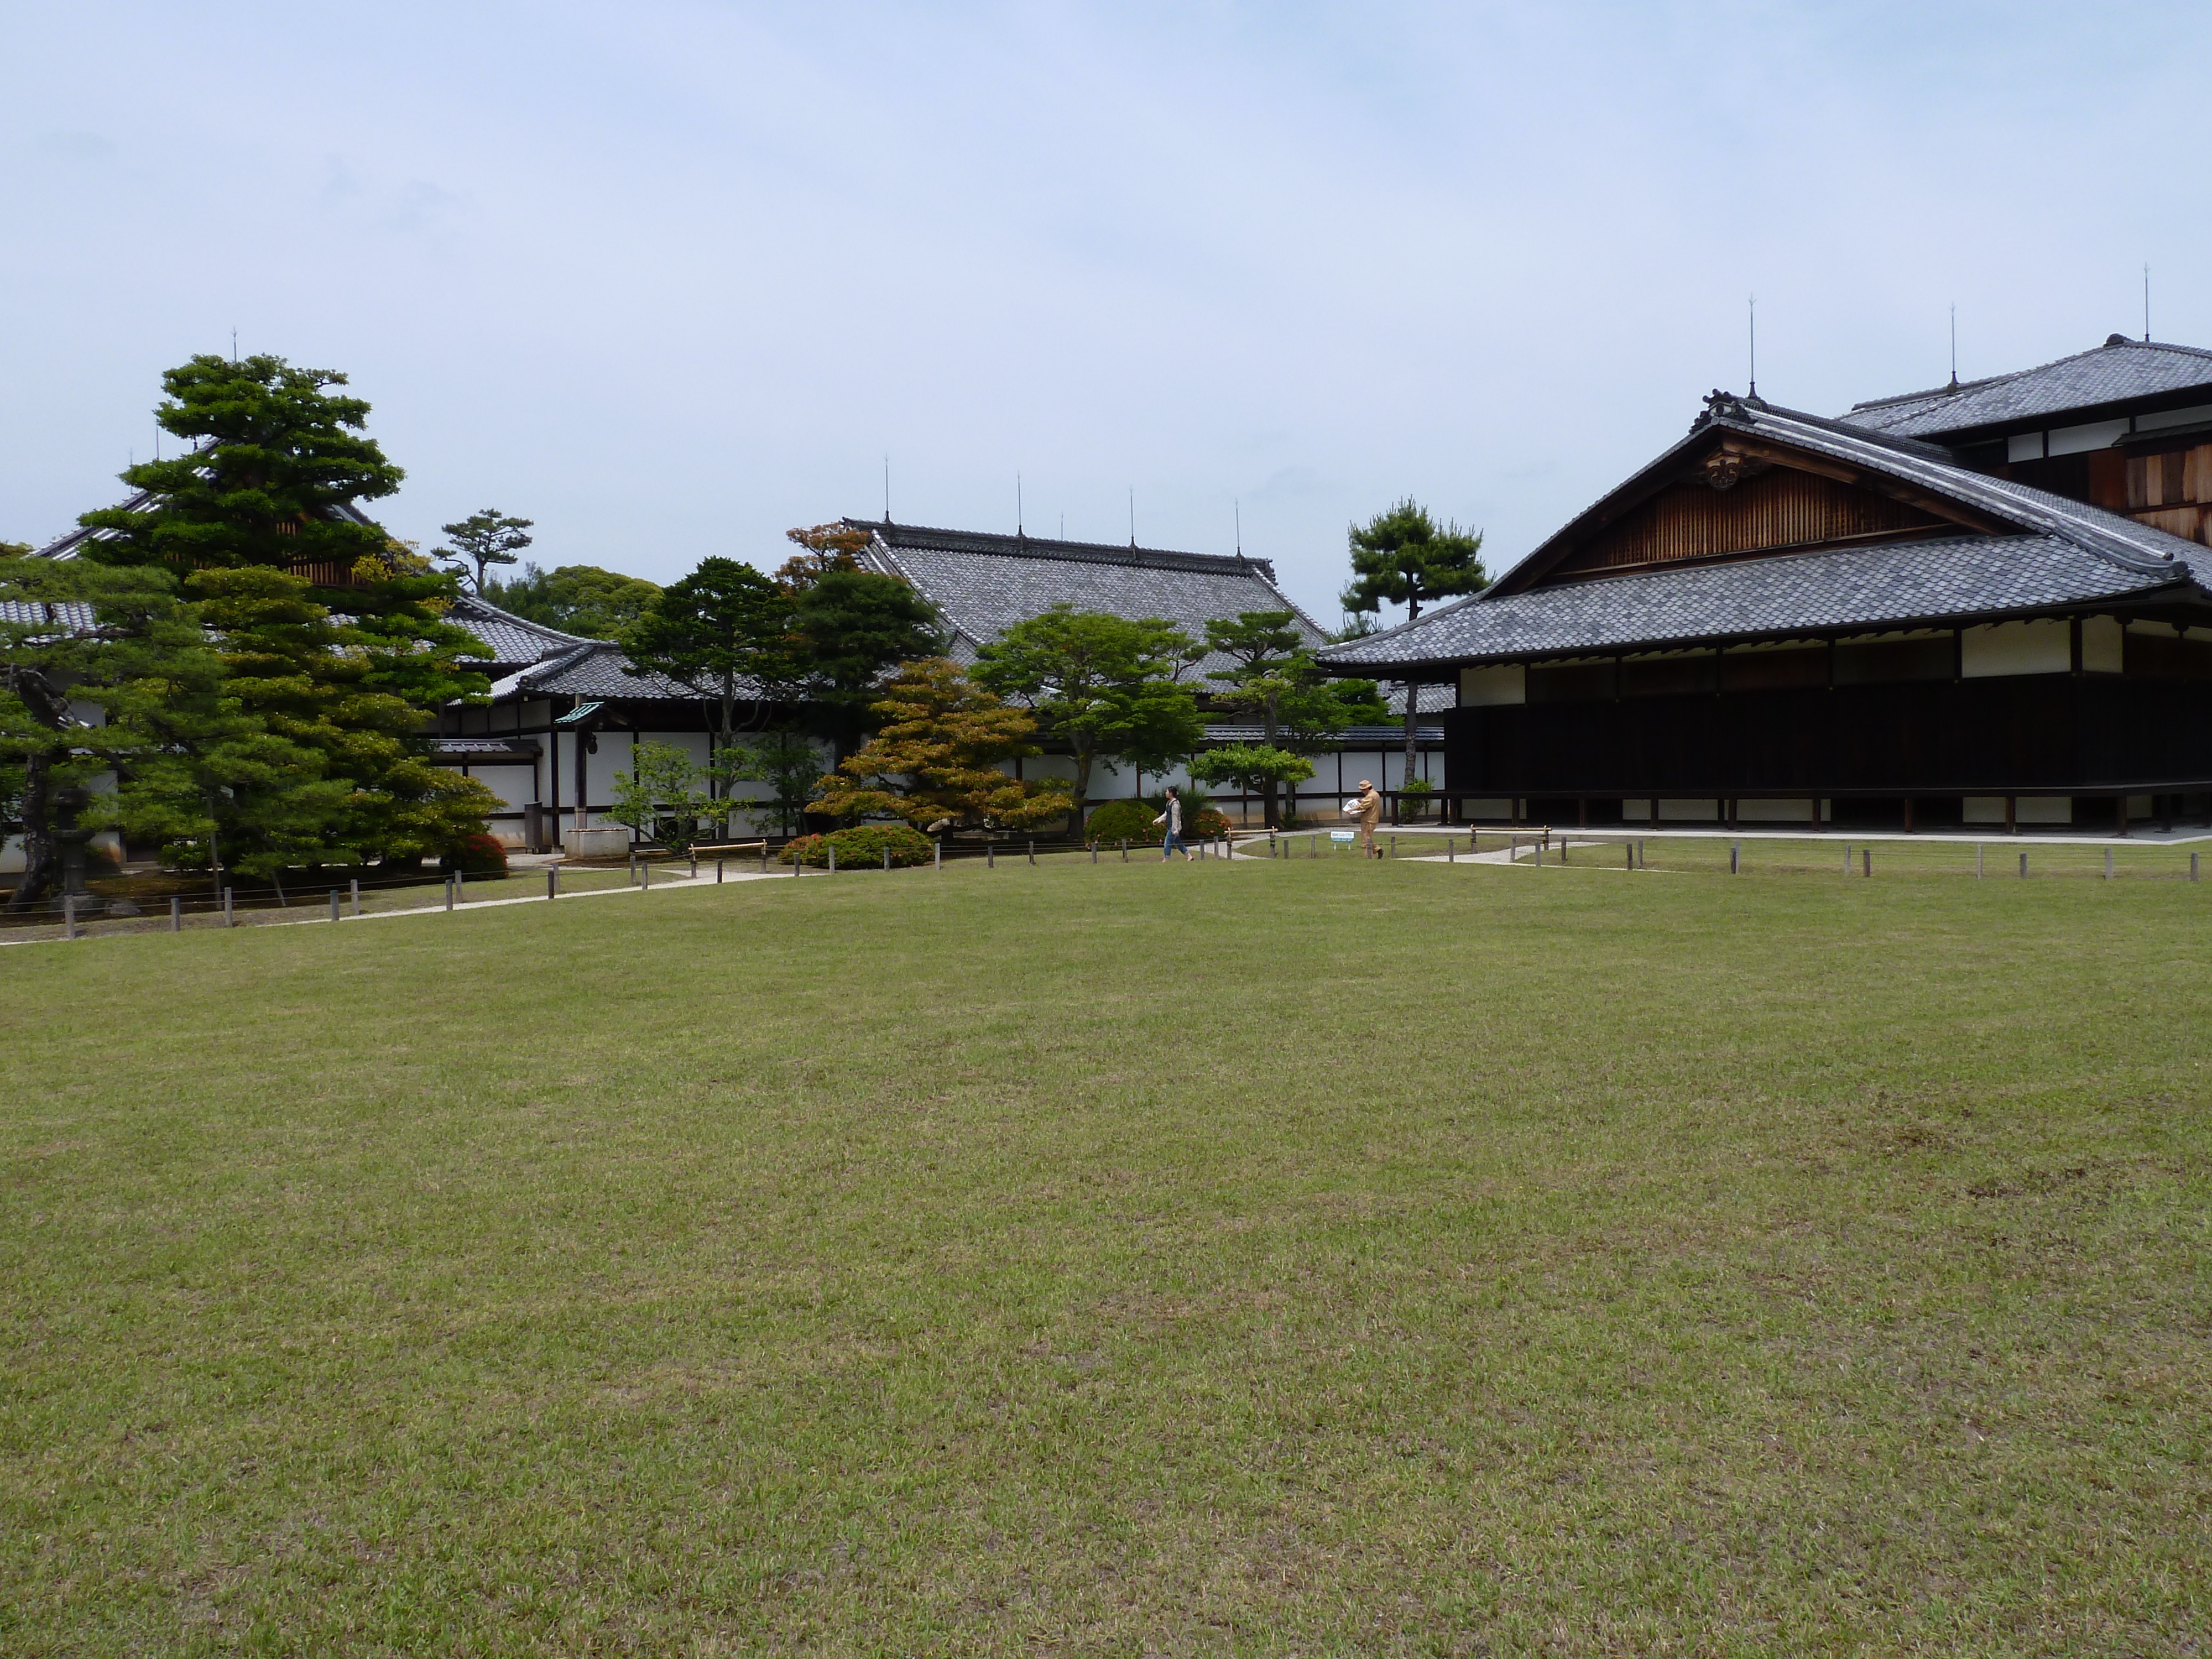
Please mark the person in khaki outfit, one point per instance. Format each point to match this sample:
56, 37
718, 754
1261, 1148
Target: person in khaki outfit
1370, 813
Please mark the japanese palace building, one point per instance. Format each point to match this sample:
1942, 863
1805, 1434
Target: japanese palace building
1988, 603
565, 713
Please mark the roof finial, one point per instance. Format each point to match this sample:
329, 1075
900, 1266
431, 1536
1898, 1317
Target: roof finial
1954, 345
1752, 304
1132, 517
2146, 302
1019, 532
1237, 506
887, 489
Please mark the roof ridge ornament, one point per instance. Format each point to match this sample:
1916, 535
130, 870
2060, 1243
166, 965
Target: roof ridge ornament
1724, 407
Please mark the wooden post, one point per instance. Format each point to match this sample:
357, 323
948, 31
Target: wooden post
1977, 861
939, 844
832, 845
1736, 858
1908, 815
1094, 851
2012, 815
990, 856
887, 860
646, 871
717, 873
2192, 866
334, 904
552, 881
2023, 866
1866, 862
449, 892
357, 896
2119, 815
764, 852
177, 903
229, 920
1847, 858
1033, 853
69, 915
694, 863
1125, 849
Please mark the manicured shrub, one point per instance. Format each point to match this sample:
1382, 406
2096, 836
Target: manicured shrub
478, 854
1132, 821
862, 847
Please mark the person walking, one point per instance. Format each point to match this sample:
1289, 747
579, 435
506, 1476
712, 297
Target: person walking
1369, 803
1171, 819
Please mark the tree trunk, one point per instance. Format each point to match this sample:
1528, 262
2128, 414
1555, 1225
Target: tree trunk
41, 860
1413, 702
1084, 758
1269, 721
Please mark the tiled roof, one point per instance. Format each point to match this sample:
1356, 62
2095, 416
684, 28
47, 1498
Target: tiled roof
1902, 584
983, 584
73, 615
597, 668
513, 640
2063, 553
2119, 371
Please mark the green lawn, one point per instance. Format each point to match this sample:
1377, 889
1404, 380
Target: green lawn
1305, 1256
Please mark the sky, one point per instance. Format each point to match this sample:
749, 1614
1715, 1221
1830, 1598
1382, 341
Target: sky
669, 279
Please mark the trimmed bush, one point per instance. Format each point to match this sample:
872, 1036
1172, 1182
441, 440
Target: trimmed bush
862, 847
478, 854
1132, 821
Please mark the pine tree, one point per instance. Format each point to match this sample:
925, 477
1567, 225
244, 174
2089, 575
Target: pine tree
936, 758
482, 540
1274, 675
1406, 557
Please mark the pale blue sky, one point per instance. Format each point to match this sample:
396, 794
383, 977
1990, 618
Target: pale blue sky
669, 278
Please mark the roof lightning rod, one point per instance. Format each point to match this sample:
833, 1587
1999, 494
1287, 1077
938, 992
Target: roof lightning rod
1753, 305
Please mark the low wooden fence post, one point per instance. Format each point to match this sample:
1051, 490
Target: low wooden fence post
2023, 866
69, 915
833, 856
177, 910
1866, 862
1032, 851
357, 896
229, 917
940, 853
334, 904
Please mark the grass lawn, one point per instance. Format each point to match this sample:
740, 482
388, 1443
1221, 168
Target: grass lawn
1302, 1257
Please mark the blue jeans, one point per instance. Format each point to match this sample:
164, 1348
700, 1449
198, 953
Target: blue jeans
1170, 844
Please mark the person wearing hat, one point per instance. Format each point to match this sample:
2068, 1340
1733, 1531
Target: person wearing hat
1370, 804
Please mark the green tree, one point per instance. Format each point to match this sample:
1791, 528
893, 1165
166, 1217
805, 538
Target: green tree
784, 761
1254, 768
937, 756
321, 683
1403, 557
75, 639
1104, 685
576, 598
1273, 676
724, 627
659, 799
847, 628
277, 460
482, 540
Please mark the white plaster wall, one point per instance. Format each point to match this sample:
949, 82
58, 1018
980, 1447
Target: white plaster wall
1777, 811
2042, 646
2100, 645
1689, 811
1502, 682
512, 784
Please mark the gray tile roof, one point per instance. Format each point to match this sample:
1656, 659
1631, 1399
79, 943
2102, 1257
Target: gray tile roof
513, 641
2061, 553
73, 615
2119, 371
983, 584
596, 668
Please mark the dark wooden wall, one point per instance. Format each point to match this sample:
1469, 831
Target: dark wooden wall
2004, 736
1775, 510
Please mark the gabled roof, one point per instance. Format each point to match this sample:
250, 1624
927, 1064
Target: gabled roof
597, 668
512, 640
2016, 551
982, 584
2120, 371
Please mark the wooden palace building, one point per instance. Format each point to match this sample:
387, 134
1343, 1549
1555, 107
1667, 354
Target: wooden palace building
1983, 605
